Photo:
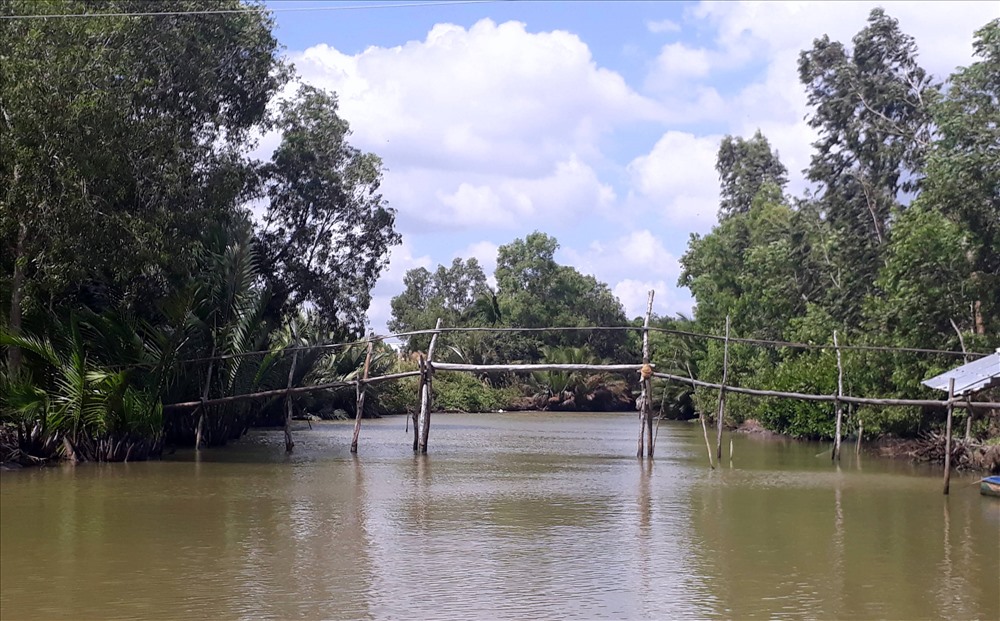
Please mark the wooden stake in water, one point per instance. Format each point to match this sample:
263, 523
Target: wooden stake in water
722, 394
427, 394
701, 417
420, 401
201, 407
837, 403
861, 433
289, 443
947, 437
646, 398
360, 388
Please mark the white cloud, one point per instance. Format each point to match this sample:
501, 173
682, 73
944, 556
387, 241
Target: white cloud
663, 25
390, 284
667, 300
632, 264
471, 201
678, 64
486, 253
772, 35
677, 179
490, 125
779, 30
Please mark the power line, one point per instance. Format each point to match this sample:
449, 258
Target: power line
683, 333
254, 9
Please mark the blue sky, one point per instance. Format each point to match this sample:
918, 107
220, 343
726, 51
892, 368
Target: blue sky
595, 122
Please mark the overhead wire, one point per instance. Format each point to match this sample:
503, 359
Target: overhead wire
375, 338
254, 9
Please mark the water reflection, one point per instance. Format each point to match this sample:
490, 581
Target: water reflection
509, 517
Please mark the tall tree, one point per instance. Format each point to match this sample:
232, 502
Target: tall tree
327, 231
120, 137
744, 167
534, 291
449, 293
963, 170
871, 107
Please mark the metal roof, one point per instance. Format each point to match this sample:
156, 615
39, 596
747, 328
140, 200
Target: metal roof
971, 377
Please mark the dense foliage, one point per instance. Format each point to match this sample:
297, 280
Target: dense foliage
533, 291
895, 246
128, 250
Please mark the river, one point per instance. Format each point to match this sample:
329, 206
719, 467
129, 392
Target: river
511, 516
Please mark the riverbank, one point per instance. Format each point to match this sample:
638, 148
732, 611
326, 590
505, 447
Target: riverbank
972, 455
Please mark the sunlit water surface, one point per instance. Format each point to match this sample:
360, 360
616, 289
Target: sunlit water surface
511, 516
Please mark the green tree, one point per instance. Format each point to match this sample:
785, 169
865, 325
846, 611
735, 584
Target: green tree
744, 167
534, 291
871, 107
963, 172
120, 138
452, 294
327, 231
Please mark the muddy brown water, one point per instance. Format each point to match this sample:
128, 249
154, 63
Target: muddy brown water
511, 516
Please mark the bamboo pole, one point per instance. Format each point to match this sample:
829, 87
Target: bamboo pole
968, 411
947, 437
839, 407
360, 389
610, 368
829, 398
722, 394
289, 444
701, 417
531, 368
646, 397
428, 392
283, 391
420, 397
201, 404
861, 433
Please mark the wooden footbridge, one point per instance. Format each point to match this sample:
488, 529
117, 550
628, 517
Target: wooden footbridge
427, 369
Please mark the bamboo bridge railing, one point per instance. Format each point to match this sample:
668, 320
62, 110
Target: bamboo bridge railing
646, 370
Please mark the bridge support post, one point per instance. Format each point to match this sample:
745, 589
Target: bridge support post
289, 443
719, 420
360, 388
426, 392
645, 404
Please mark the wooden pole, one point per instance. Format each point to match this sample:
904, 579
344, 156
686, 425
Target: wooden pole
646, 397
722, 394
968, 418
861, 433
201, 406
361, 387
609, 368
947, 437
840, 393
965, 356
427, 394
289, 444
701, 417
420, 399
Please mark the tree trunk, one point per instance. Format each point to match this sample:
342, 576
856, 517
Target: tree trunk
17, 286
